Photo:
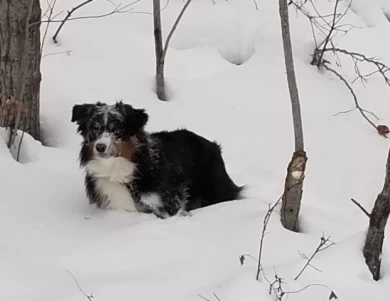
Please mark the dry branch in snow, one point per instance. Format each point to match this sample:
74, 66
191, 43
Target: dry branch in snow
325, 243
89, 297
265, 224
328, 26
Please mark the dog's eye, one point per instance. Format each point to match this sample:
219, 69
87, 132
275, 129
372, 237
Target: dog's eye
117, 132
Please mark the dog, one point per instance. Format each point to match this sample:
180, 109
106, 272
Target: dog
167, 173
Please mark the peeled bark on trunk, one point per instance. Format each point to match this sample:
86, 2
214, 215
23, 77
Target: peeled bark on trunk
20, 59
376, 232
159, 50
291, 201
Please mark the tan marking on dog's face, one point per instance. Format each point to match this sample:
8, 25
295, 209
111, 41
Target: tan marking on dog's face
126, 149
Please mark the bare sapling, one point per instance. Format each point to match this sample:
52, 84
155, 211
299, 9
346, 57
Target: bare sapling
160, 48
293, 188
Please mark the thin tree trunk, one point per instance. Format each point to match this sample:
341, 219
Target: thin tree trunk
376, 232
291, 201
160, 59
20, 59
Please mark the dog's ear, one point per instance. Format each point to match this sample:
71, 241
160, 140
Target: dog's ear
81, 112
135, 119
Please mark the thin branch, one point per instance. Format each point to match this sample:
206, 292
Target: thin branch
265, 224
357, 106
51, 5
323, 245
359, 58
170, 34
206, 299
361, 208
118, 9
332, 28
68, 16
89, 297
68, 52
331, 296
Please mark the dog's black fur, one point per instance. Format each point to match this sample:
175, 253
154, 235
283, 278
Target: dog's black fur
186, 170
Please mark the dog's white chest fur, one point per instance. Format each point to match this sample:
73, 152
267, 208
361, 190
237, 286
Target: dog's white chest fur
111, 175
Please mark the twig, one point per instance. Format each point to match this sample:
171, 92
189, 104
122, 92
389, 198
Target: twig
332, 28
51, 11
357, 106
324, 244
56, 53
361, 208
359, 58
244, 256
331, 296
68, 16
265, 224
118, 9
89, 297
204, 298
170, 34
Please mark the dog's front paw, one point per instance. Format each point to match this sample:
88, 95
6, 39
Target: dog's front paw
184, 213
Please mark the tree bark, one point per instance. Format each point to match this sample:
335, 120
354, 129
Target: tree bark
20, 59
291, 201
376, 232
159, 50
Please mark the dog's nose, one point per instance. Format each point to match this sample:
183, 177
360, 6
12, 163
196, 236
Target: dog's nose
100, 147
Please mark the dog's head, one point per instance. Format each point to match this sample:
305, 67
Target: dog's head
109, 130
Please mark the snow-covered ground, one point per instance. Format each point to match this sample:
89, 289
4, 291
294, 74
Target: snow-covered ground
49, 233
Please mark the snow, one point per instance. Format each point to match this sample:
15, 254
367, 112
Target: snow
226, 81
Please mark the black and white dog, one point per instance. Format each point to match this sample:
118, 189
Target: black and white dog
165, 173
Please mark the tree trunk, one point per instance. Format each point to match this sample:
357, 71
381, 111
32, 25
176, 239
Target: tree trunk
291, 201
376, 232
20, 59
160, 60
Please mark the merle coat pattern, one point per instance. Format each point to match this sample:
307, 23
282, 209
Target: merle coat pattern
168, 173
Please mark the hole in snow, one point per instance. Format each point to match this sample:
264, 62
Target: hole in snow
237, 55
